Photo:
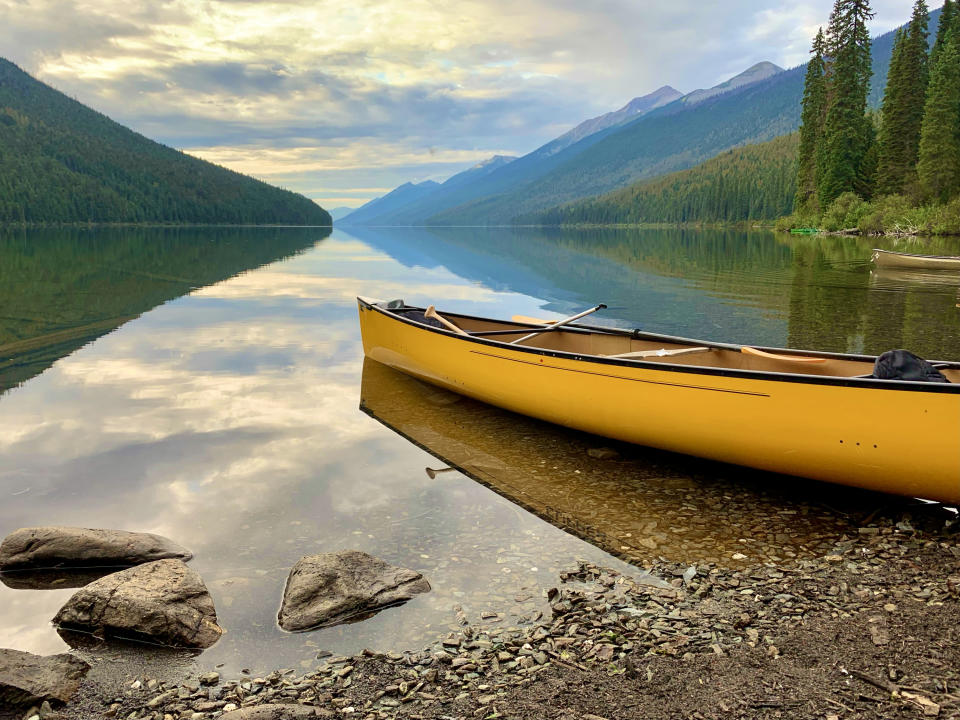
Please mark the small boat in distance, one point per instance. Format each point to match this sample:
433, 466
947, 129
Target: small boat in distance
889, 258
810, 414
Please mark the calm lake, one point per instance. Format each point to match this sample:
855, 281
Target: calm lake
209, 385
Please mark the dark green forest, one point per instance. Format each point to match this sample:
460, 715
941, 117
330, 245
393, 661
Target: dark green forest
48, 278
61, 162
894, 171
755, 182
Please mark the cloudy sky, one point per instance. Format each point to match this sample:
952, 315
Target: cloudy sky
342, 100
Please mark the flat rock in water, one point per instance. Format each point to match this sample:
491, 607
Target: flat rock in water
27, 679
164, 602
52, 547
277, 712
333, 588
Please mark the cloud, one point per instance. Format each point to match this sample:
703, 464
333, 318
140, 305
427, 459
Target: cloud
380, 84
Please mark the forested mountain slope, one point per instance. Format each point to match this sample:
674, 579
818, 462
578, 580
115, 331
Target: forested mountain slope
754, 182
63, 162
671, 138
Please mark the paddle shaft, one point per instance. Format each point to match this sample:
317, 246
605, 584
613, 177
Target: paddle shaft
559, 323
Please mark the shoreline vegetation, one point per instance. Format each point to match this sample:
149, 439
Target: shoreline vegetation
896, 172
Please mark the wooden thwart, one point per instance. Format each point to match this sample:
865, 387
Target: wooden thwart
776, 356
662, 352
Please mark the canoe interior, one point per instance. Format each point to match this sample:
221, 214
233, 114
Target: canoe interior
583, 342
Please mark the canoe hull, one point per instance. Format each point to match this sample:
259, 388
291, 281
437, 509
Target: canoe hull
896, 441
885, 258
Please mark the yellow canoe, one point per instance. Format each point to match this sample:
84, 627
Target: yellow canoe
800, 413
889, 258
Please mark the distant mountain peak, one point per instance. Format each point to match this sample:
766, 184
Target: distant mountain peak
753, 74
495, 161
632, 110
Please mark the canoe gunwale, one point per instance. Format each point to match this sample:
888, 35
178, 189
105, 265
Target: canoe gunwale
830, 380
955, 258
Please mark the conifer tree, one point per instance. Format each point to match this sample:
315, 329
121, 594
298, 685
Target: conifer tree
903, 102
811, 128
947, 17
939, 165
847, 132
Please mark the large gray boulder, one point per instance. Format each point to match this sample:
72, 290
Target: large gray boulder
278, 712
163, 602
334, 588
27, 679
53, 547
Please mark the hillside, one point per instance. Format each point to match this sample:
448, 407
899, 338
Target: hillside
754, 182
670, 139
756, 106
404, 204
554, 170
394, 200
61, 162
631, 111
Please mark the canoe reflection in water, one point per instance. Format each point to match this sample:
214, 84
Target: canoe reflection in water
633, 502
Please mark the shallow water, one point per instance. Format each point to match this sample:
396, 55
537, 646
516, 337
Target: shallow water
206, 385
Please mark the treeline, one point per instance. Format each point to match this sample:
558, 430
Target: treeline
61, 162
898, 170
754, 182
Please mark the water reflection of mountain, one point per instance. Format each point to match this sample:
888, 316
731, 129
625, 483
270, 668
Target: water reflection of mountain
751, 287
663, 280
60, 289
640, 505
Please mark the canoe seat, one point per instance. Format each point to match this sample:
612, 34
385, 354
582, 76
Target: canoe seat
662, 352
531, 320
775, 356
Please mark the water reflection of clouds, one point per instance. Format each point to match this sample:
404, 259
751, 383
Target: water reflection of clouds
228, 421
325, 289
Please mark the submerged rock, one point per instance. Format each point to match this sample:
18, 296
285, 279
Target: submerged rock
27, 679
163, 601
52, 579
52, 547
334, 588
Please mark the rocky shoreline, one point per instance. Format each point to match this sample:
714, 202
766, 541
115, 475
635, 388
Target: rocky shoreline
869, 630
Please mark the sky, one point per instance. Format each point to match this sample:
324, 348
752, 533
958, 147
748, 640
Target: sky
343, 100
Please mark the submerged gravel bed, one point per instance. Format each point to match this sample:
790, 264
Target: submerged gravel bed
869, 630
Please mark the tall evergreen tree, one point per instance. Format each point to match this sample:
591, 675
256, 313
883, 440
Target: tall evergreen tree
847, 131
939, 165
903, 102
947, 17
811, 128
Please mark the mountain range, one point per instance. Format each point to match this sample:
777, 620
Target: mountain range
651, 136
62, 162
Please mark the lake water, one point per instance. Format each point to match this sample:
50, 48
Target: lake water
207, 385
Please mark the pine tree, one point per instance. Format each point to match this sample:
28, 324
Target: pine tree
903, 102
847, 131
947, 18
939, 165
811, 128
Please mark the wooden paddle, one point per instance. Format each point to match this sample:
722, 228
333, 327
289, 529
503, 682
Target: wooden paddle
560, 323
431, 312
